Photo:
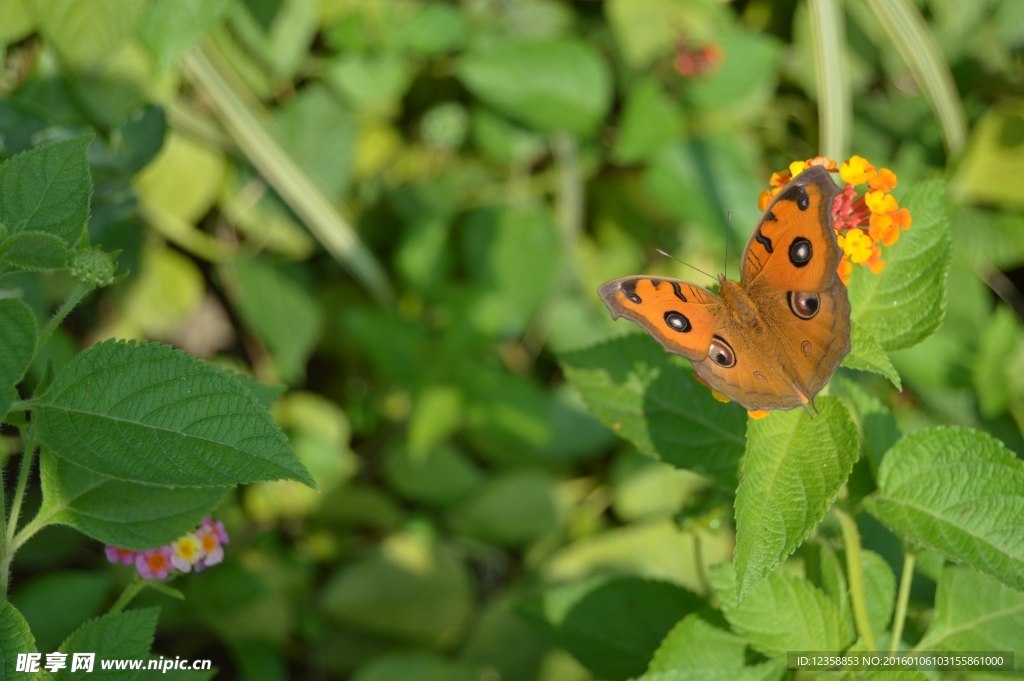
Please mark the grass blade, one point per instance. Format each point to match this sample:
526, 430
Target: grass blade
835, 108
920, 52
239, 112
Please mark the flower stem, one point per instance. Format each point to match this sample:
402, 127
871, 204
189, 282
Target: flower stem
130, 592
909, 557
855, 573
69, 304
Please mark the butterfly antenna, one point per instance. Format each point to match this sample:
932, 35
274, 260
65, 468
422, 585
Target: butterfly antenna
684, 263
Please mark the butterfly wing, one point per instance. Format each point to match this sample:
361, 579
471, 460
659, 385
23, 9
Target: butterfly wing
693, 322
789, 272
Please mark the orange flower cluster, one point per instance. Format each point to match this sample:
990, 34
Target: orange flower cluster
876, 210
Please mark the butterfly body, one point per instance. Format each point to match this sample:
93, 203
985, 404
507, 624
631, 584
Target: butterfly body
773, 339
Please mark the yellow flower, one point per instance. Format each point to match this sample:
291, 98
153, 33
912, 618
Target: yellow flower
797, 167
757, 414
857, 245
856, 171
880, 202
764, 199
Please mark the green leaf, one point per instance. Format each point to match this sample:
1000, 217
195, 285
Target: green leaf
409, 590
370, 82
695, 644
420, 666
975, 612
511, 509
746, 76
647, 29
906, 302
792, 471
280, 309
59, 601
783, 612
173, 27
611, 625
15, 637
34, 251
867, 354
86, 33
123, 514
879, 590
996, 345
551, 85
17, 346
122, 635
433, 30
634, 387
518, 250
650, 122
445, 476
960, 492
435, 417
47, 189
766, 671
144, 412
320, 134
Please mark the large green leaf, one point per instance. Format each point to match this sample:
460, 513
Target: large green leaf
611, 625
124, 514
144, 412
552, 85
783, 612
15, 637
410, 590
792, 471
284, 314
867, 354
173, 27
17, 346
47, 189
766, 671
633, 386
86, 33
906, 302
958, 491
512, 509
975, 612
122, 635
693, 643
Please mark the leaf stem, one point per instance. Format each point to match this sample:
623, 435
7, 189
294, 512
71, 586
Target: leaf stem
855, 573
130, 592
906, 579
69, 304
27, 459
835, 111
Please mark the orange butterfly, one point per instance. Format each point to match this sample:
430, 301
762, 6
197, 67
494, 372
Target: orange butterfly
772, 340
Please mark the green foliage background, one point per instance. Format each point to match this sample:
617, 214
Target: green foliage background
399, 212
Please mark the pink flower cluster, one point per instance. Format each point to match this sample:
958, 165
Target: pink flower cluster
196, 550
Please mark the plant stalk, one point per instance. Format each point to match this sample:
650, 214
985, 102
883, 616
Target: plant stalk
906, 579
66, 307
855, 573
27, 459
130, 592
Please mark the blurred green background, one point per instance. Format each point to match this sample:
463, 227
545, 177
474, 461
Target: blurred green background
400, 212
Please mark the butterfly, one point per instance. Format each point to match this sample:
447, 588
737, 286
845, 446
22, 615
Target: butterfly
773, 339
